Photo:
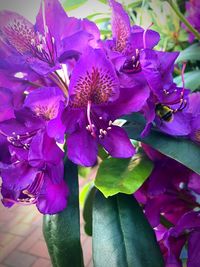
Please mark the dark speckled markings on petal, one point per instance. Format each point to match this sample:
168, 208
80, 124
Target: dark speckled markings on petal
93, 79
96, 86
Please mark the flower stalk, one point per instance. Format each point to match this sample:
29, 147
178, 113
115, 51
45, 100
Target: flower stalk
174, 6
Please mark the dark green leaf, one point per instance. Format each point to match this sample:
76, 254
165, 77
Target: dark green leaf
62, 231
122, 236
122, 175
192, 53
180, 149
87, 211
73, 4
192, 80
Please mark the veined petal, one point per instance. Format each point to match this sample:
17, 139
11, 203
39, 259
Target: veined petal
17, 30
52, 16
93, 79
45, 102
117, 143
120, 24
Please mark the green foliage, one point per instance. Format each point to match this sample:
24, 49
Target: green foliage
191, 53
122, 236
87, 210
192, 80
123, 175
62, 231
73, 4
179, 149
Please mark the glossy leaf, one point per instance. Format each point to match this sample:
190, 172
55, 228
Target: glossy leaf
179, 149
122, 236
62, 231
73, 4
87, 210
123, 175
191, 78
192, 53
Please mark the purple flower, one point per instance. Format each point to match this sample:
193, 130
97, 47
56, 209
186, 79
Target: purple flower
193, 11
124, 49
33, 158
95, 102
170, 202
194, 112
167, 103
46, 45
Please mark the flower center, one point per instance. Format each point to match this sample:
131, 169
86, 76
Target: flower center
132, 65
20, 140
97, 126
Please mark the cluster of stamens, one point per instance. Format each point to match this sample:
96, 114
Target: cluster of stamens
132, 65
19, 140
100, 128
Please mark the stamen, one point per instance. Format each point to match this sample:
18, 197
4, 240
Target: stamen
89, 119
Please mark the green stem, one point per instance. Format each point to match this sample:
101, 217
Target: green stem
183, 19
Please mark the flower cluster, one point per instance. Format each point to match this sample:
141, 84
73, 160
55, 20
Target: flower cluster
61, 84
171, 203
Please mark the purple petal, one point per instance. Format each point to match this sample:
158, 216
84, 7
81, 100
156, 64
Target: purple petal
194, 249
117, 143
194, 183
120, 24
17, 30
130, 100
54, 17
45, 102
136, 38
180, 125
44, 149
53, 197
93, 79
194, 103
6, 104
82, 148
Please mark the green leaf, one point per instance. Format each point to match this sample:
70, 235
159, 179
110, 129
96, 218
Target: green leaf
122, 236
103, 1
191, 78
180, 149
62, 231
73, 4
191, 53
87, 211
123, 175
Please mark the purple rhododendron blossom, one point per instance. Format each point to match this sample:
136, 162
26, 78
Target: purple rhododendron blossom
171, 206
96, 101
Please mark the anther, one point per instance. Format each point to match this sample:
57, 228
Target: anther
110, 123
